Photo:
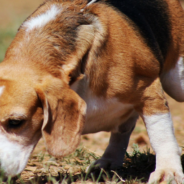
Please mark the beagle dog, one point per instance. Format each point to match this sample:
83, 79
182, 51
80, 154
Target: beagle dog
79, 66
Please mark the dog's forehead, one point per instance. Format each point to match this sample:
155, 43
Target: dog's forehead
15, 88
15, 97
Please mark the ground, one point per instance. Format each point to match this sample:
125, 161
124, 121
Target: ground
43, 167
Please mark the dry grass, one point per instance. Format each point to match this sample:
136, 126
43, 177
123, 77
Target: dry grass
43, 168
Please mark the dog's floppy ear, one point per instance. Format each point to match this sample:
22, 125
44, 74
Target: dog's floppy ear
75, 64
63, 121
89, 42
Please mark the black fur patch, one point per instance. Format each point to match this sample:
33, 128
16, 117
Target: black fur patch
151, 18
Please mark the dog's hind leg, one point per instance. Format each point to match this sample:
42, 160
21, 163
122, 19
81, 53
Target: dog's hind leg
173, 81
114, 154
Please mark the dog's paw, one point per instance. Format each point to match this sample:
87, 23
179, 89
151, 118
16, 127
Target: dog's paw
98, 167
167, 175
107, 164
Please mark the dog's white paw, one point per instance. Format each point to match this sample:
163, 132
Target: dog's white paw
168, 175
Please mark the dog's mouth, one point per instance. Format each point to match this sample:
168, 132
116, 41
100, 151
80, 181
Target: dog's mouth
13, 156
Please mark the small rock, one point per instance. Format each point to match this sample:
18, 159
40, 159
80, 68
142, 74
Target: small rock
29, 168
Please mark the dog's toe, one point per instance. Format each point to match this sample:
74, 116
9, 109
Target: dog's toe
106, 164
167, 175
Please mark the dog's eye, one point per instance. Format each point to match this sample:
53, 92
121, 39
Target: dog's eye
15, 123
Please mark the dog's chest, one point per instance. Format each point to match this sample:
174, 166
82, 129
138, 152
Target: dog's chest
105, 115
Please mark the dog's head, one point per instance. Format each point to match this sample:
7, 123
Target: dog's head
35, 95
27, 113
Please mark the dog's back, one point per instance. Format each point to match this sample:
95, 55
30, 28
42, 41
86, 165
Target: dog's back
155, 20
151, 19
161, 25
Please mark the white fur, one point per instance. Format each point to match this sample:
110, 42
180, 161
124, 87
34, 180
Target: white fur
1, 90
173, 81
91, 2
104, 114
160, 130
162, 138
43, 19
13, 156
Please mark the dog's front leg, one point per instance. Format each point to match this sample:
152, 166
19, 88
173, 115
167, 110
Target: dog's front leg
155, 112
114, 154
161, 133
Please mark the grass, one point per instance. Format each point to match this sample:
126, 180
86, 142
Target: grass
43, 168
